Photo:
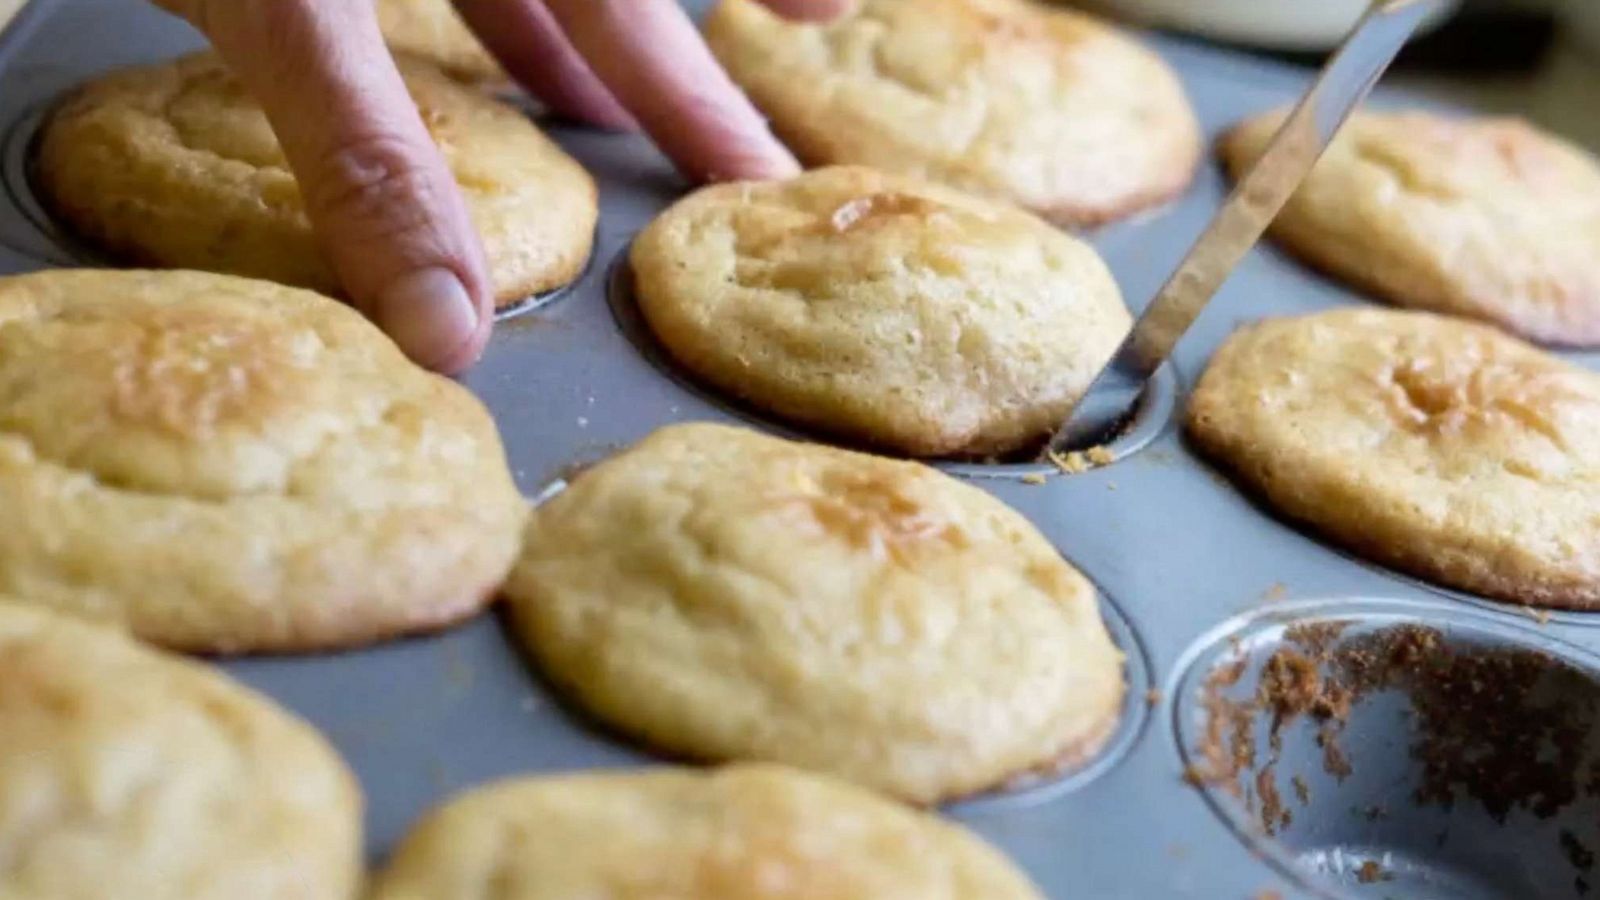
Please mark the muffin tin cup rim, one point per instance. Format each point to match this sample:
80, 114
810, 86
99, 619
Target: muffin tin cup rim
46, 240
1133, 722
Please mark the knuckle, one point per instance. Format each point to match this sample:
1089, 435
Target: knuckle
377, 186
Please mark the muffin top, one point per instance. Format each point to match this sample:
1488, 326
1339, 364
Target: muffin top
1435, 445
1487, 218
1022, 101
881, 309
725, 595
174, 165
223, 464
129, 772
730, 834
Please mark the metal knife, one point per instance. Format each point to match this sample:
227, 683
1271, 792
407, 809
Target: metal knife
1345, 80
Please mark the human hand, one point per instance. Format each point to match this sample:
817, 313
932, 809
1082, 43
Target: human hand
385, 206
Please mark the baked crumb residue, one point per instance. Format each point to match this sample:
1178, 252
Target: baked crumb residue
1074, 462
1507, 728
1372, 872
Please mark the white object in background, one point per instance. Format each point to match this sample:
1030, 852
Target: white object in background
1279, 24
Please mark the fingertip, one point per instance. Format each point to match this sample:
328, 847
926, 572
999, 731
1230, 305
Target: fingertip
770, 163
810, 10
434, 319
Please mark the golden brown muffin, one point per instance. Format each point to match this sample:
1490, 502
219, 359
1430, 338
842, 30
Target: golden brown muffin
173, 165
433, 30
125, 772
725, 595
736, 833
1485, 218
232, 465
881, 309
1437, 446
1043, 106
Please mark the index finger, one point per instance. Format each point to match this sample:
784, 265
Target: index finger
385, 207
651, 58
808, 10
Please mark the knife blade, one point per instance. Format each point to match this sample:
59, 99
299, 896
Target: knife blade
1344, 82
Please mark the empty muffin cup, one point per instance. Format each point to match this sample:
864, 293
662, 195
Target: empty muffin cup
1400, 749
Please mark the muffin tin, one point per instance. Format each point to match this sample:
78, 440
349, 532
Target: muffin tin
1209, 595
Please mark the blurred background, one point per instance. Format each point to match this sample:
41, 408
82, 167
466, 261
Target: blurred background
1537, 58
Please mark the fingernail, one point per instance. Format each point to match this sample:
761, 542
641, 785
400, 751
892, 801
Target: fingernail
429, 314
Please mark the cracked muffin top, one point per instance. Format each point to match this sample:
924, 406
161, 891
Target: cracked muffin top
734, 833
1487, 218
174, 165
881, 309
126, 772
222, 464
1046, 107
1435, 445
725, 595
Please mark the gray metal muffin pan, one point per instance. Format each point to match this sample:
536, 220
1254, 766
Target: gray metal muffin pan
1196, 575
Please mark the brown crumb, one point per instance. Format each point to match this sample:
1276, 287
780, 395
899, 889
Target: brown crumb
1070, 463
1153, 697
1033, 478
1316, 638
1371, 872
1273, 814
1302, 791
1275, 592
1268, 894
1075, 461
1334, 762
1290, 685
1227, 745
